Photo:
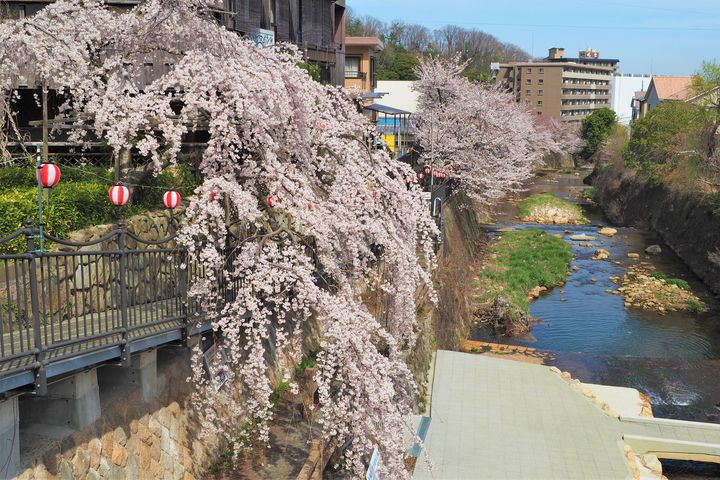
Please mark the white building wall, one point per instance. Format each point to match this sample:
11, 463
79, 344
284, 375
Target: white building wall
399, 94
622, 91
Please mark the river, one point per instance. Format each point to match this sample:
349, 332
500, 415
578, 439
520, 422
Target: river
673, 358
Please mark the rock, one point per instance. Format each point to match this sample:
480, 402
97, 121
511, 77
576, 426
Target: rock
586, 244
568, 232
555, 370
608, 232
653, 250
575, 268
633, 255
506, 318
119, 455
536, 292
581, 238
652, 462
566, 375
601, 254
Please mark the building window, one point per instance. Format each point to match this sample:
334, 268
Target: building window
539, 103
528, 81
541, 71
541, 81
539, 113
540, 92
373, 73
528, 92
528, 70
352, 67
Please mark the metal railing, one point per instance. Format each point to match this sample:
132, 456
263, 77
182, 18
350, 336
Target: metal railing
86, 296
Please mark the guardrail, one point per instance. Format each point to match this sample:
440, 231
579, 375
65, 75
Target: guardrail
108, 295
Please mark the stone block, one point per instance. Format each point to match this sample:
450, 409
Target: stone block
156, 470
94, 450
119, 436
119, 455
81, 463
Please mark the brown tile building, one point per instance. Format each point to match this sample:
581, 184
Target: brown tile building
565, 88
360, 66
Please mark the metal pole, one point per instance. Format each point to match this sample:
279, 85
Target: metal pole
41, 234
122, 272
40, 375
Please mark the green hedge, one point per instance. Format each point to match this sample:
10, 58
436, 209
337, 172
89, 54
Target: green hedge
80, 200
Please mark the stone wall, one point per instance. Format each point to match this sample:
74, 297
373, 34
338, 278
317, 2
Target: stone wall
684, 221
133, 439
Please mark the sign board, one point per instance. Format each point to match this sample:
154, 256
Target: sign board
495, 66
372, 468
216, 365
263, 38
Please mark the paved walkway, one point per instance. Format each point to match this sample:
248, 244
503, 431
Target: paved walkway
500, 419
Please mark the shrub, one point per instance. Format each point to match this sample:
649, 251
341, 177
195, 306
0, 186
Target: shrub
666, 137
595, 130
79, 201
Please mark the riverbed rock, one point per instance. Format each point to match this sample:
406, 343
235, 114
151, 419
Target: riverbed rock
633, 255
652, 462
536, 292
575, 268
653, 250
582, 238
608, 232
601, 254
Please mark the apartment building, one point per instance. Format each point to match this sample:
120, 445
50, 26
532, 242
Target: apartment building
569, 89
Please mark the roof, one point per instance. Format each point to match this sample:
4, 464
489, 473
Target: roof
639, 95
545, 63
672, 88
376, 107
364, 42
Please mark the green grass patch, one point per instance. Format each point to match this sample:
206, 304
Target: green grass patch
523, 260
696, 308
672, 281
535, 204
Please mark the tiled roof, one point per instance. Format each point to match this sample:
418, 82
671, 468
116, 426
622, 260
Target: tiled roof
673, 88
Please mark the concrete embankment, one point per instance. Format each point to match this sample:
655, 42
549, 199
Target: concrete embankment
684, 221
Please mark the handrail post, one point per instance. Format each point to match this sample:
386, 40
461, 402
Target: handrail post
122, 271
183, 279
40, 374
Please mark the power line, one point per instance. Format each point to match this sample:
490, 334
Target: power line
566, 26
648, 7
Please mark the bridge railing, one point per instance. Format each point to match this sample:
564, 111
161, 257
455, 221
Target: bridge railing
81, 297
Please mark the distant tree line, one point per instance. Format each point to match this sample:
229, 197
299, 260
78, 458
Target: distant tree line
405, 43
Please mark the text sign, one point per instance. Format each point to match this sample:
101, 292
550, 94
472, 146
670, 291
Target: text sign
263, 38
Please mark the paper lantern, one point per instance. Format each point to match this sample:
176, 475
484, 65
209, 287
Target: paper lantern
171, 199
427, 170
119, 195
270, 201
420, 176
48, 174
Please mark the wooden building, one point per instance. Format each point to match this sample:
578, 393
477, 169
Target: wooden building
316, 26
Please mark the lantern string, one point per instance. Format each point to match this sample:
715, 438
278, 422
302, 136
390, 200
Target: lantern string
112, 182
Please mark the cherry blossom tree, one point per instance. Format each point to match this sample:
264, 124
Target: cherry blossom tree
314, 211
478, 133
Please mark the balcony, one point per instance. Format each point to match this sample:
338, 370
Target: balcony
355, 75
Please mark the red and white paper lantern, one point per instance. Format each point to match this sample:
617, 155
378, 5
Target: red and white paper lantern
171, 199
48, 174
119, 195
270, 201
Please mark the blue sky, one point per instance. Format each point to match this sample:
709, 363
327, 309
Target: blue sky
663, 37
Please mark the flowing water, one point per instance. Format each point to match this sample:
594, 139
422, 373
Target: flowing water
672, 358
